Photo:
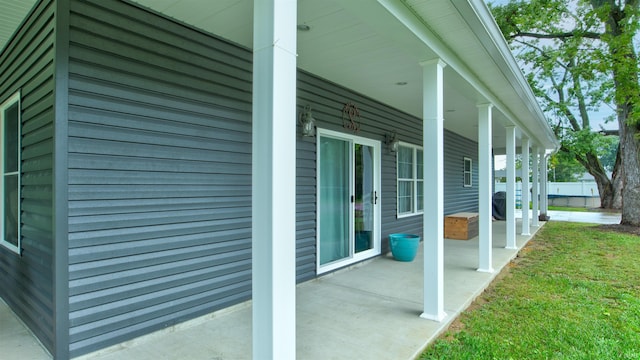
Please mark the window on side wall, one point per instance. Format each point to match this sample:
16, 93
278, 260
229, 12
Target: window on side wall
467, 172
10, 165
410, 180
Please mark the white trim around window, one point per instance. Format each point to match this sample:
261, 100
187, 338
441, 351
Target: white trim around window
410, 180
467, 170
10, 167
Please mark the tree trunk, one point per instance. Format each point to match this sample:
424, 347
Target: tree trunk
610, 190
616, 179
625, 77
630, 147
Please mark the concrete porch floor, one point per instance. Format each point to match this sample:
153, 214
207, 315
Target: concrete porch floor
370, 311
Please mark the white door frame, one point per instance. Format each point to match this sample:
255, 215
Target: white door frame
376, 249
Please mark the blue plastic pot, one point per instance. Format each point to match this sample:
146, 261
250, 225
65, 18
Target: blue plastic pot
404, 247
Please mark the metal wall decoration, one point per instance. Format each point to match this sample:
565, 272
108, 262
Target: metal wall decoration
351, 117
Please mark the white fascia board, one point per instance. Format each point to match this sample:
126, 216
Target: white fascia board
422, 31
507, 62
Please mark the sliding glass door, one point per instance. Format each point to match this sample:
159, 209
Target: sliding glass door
348, 199
334, 199
366, 197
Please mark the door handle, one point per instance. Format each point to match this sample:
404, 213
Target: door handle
353, 199
375, 197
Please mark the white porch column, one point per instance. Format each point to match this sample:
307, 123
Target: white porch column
544, 186
273, 179
485, 178
433, 218
535, 193
525, 185
511, 187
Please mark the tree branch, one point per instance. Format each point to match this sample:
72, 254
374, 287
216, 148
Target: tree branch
609, 132
559, 36
577, 88
561, 103
541, 51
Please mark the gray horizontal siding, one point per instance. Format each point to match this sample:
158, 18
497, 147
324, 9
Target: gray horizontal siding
26, 64
458, 198
306, 209
327, 100
159, 174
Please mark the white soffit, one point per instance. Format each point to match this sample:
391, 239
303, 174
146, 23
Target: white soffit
476, 40
359, 44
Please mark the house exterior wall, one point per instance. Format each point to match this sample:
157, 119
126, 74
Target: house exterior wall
327, 100
26, 65
305, 203
159, 174
458, 198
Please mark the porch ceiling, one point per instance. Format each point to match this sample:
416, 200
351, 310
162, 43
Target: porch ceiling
360, 44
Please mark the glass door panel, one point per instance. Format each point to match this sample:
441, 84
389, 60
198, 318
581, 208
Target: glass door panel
365, 198
348, 207
334, 203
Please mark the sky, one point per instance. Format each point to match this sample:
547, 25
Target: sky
597, 117
500, 162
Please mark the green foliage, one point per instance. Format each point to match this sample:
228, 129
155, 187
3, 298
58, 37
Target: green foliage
564, 168
608, 148
576, 144
576, 59
580, 56
572, 294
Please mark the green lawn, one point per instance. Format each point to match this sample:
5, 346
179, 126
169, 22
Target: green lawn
564, 208
567, 208
573, 293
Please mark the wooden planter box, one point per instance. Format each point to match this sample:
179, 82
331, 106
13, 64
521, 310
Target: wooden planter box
461, 226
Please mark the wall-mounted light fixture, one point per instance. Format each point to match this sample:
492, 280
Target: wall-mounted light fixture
392, 142
307, 122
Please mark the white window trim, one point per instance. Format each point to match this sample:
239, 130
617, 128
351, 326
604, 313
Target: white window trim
465, 172
15, 98
414, 180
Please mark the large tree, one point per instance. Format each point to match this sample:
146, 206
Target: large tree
564, 168
579, 56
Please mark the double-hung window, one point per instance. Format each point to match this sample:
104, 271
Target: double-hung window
467, 172
410, 180
10, 180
